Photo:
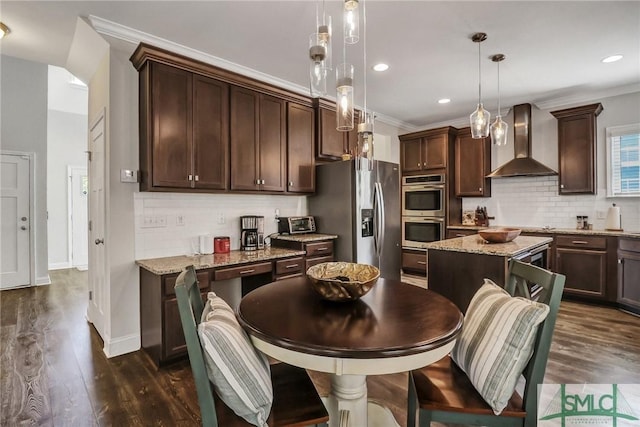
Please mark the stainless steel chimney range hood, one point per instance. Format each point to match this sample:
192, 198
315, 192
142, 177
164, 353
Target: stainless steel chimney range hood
523, 164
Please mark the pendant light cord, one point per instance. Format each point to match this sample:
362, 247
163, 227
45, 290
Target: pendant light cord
364, 45
479, 75
499, 89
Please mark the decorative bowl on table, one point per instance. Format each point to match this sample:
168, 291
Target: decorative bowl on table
342, 281
499, 235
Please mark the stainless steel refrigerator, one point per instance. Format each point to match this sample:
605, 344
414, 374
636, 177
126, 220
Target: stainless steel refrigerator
362, 207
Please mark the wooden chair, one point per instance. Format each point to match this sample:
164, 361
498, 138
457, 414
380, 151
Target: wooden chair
295, 399
442, 391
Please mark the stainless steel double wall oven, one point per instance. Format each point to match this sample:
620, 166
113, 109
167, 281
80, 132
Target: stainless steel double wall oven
423, 210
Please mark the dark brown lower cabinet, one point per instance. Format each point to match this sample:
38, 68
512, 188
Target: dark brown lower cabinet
173, 337
160, 326
629, 274
414, 262
588, 262
316, 251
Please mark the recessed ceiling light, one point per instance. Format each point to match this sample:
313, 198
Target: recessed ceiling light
381, 67
444, 101
612, 58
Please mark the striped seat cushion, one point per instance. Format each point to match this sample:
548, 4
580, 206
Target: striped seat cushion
240, 374
497, 341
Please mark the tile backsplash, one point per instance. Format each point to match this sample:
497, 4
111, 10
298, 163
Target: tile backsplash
168, 224
535, 202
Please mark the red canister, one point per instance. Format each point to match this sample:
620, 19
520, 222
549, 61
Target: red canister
221, 245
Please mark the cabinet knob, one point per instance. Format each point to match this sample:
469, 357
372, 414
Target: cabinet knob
290, 183
190, 177
418, 164
561, 185
257, 182
262, 181
480, 189
197, 178
424, 164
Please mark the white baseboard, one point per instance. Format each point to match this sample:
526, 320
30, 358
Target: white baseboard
59, 265
46, 280
122, 345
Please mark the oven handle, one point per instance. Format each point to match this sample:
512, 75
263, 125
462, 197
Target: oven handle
414, 187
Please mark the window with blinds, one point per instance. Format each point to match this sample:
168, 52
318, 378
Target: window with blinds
623, 161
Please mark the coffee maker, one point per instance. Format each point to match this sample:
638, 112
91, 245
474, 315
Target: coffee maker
251, 232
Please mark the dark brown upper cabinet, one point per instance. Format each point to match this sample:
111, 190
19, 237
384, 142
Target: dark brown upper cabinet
300, 148
577, 137
331, 143
258, 141
426, 150
195, 135
472, 165
183, 123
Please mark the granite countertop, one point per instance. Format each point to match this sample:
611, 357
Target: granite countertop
308, 237
476, 244
545, 230
176, 264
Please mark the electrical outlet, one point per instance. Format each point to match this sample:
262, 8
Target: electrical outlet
601, 215
221, 218
180, 220
154, 221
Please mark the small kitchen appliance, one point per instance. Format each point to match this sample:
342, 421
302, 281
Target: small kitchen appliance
296, 224
251, 232
221, 244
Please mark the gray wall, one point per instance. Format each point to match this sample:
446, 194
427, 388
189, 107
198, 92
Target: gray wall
123, 154
67, 143
24, 128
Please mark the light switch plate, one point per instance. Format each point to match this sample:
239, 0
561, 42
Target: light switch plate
127, 175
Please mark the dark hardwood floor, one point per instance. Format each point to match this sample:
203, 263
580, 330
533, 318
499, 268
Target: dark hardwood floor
53, 371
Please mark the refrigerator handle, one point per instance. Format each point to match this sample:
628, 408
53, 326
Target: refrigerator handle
379, 219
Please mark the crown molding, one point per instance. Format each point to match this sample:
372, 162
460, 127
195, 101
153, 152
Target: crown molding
587, 97
133, 36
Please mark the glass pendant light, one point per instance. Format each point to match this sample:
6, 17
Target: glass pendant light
344, 97
499, 128
324, 35
364, 149
351, 22
317, 71
479, 119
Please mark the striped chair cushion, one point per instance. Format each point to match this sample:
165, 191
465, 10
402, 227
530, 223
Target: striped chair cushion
497, 341
240, 374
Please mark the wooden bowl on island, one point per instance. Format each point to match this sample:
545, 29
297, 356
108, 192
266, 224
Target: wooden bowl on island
499, 235
342, 281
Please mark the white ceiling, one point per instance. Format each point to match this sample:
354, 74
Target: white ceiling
553, 49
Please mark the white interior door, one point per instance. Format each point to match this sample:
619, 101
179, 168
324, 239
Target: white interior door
15, 259
78, 218
97, 254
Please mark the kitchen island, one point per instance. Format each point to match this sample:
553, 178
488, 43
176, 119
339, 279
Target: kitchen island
457, 267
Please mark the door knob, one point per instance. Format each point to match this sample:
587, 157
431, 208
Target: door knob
24, 218
99, 241
23, 228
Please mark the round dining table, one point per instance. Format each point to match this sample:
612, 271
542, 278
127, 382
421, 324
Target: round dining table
396, 327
